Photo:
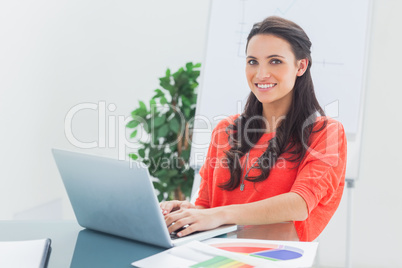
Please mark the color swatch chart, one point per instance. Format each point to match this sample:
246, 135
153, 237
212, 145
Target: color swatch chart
273, 252
221, 262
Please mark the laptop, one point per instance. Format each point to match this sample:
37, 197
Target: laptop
117, 197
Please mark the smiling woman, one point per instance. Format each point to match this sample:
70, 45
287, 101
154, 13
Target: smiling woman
271, 72
277, 161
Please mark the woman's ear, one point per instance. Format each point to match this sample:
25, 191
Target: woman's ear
303, 63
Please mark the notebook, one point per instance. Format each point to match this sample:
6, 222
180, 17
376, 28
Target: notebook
30, 253
117, 197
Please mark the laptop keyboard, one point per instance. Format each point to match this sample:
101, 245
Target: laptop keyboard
173, 236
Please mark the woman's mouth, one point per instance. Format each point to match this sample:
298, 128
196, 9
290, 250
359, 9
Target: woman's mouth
265, 86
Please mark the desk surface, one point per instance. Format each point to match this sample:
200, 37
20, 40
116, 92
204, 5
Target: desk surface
74, 246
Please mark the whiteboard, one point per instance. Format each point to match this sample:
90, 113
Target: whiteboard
338, 31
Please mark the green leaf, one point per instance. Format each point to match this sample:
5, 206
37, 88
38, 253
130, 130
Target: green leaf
133, 156
173, 147
181, 78
139, 112
155, 153
180, 71
163, 131
163, 100
190, 174
168, 72
165, 83
160, 197
141, 152
172, 90
186, 101
189, 66
185, 154
134, 113
133, 124
197, 65
161, 173
134, 134
146, 126
187, 112
196, 74
158, 93
174, 125
194, 99
194, 86
158, 121
143, 106
172, 172
192, 114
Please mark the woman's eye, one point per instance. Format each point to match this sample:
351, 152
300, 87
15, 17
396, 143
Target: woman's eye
275, 61
252, 62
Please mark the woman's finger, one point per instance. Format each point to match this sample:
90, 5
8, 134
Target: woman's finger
189, 230
172, 217
186, 204
179, 224
168, 206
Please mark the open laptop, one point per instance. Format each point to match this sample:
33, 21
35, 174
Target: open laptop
117, 197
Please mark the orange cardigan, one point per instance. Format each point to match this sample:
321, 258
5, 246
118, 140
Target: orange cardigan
319, 178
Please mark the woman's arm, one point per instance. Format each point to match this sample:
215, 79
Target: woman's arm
280, 208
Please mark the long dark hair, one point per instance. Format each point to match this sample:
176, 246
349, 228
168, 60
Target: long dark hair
294, 131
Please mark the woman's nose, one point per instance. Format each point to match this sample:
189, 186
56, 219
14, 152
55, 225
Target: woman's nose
263, 72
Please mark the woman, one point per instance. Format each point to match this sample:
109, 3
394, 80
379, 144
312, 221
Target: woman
277, 161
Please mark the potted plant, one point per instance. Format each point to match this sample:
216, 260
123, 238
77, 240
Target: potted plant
168, 123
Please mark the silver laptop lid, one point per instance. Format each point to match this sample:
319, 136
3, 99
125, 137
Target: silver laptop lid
112, 196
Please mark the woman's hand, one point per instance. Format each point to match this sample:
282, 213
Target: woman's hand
170, 206
197, 219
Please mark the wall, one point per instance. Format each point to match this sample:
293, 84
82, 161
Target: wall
378, 200
56, 55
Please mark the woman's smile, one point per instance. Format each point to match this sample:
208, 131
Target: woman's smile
264, 86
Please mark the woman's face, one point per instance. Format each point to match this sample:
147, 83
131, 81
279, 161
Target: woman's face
271, 69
